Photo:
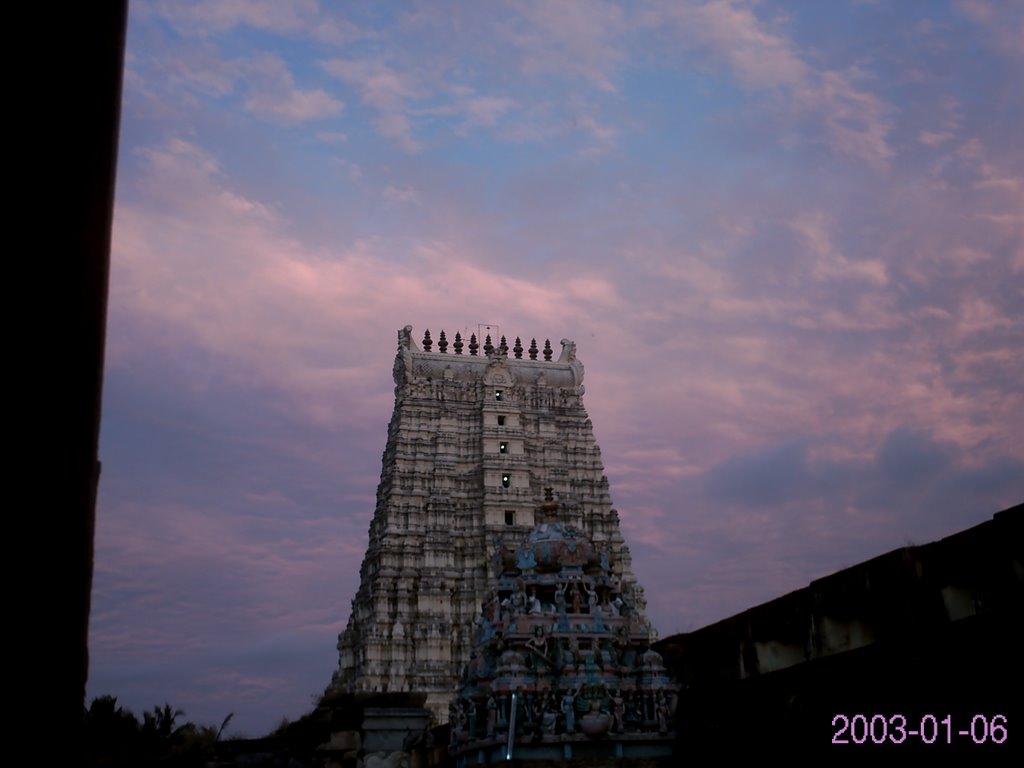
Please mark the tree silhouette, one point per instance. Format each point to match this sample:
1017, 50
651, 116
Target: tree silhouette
159, 724
114, 737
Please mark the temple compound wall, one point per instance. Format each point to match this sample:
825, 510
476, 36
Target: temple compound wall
481, 439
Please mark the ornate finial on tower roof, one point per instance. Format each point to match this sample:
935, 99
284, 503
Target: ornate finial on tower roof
405, 338
518, 349
568, 351
503, 347
458, 343
547, 350
427, 343
473, 346
488, 346
442, 343
533, 349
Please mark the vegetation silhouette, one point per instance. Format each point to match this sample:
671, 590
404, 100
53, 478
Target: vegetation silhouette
114, 737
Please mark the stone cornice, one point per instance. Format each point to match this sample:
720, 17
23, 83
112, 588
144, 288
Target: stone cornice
495, 368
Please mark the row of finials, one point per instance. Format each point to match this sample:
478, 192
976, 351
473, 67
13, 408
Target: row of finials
489, 348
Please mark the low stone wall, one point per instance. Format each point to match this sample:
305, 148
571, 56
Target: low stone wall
926, 630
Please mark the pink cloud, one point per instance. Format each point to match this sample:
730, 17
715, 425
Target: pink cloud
222, 274
572, 38
1002, 22
758, 56
486, 110
302, 18
855, 119
935, 139
761, 56
272, 93
294, 105
829, 262
388, 90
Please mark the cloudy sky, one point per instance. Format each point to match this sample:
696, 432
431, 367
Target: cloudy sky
788, 239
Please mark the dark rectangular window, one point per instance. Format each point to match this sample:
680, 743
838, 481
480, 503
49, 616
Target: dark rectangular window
502, 447
506, 480
498, 394
501, 421
510, 517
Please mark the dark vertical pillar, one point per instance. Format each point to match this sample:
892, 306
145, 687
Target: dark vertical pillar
84, 44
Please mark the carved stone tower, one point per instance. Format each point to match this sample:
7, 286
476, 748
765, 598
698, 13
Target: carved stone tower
480, 447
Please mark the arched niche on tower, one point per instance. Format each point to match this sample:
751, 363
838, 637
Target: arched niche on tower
498, 380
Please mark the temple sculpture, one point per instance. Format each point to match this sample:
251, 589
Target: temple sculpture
482, 434
561, 666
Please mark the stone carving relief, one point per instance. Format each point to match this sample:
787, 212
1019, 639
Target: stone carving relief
574, 663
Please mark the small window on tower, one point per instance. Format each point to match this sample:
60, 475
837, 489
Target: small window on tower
501, 421
506, 480
510, 517
499, 394
502, 447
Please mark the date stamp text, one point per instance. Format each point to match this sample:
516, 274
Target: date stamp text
926, 729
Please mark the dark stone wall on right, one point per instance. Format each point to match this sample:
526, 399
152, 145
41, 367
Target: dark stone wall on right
916, 652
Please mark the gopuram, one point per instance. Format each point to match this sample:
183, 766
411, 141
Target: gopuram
561, 668
481, 438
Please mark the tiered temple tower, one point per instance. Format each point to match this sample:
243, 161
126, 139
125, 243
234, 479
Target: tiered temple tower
562, 667
480, 441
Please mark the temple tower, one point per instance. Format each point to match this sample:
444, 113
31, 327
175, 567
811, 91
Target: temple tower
483, 442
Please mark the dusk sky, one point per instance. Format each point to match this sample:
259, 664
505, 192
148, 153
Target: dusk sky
788, 239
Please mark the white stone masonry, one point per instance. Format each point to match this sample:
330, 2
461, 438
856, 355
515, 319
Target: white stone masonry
477, 444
